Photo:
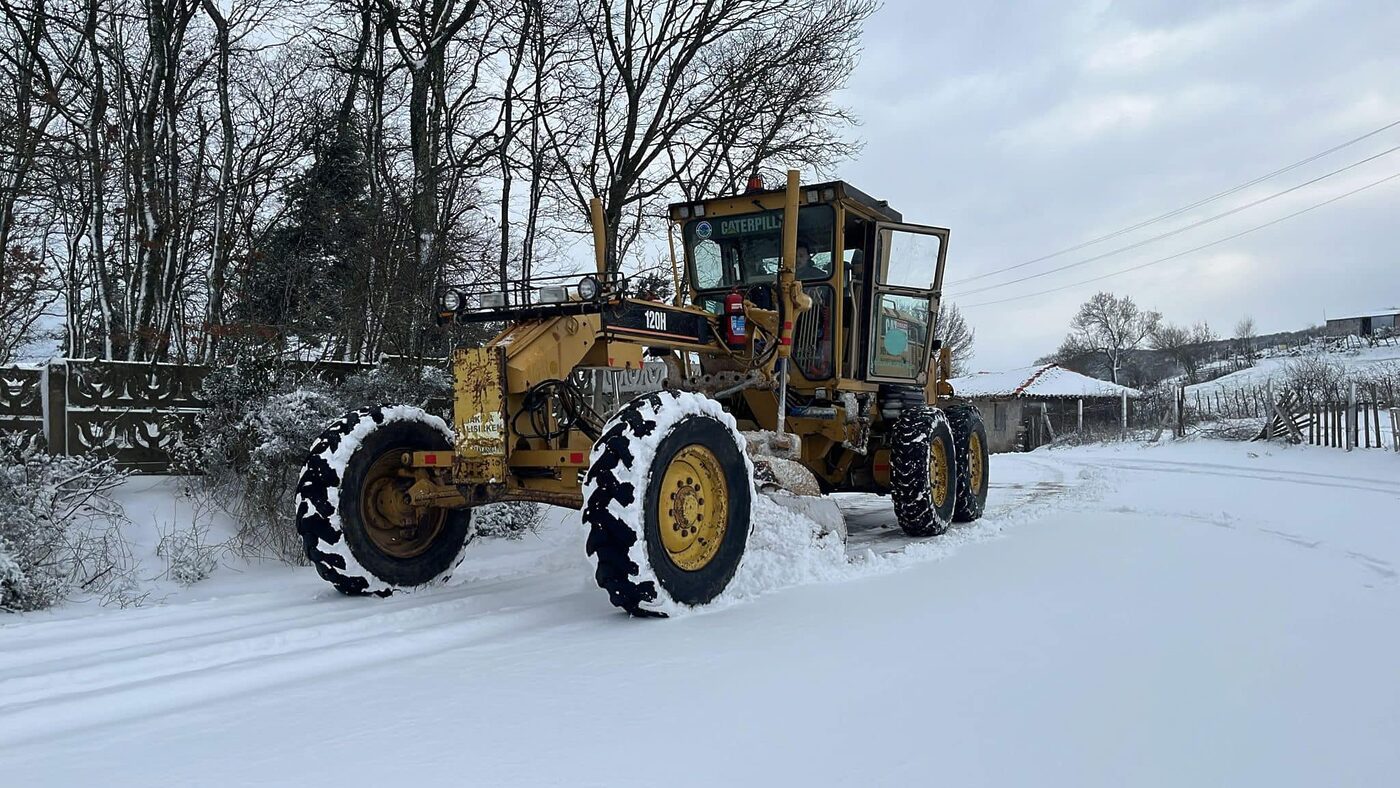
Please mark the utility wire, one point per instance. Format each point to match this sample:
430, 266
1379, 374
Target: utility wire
1358, 190
1178, 230
1177, 212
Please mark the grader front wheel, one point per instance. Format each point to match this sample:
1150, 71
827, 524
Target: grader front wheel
923, 472
353, 513
667, 500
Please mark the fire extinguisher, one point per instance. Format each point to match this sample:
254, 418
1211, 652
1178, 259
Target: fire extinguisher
735, 329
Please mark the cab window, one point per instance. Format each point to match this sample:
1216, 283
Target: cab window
727, 251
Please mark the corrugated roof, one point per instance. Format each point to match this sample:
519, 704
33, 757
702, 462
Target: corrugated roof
1390, 310
1043, 381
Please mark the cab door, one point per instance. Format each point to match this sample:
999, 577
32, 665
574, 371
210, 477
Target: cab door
907, 285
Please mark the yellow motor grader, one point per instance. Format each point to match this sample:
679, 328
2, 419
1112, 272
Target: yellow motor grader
798, 355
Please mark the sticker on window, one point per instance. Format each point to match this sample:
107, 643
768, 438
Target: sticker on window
702, 230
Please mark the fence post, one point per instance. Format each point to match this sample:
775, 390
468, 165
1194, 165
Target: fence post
1376, 415
55, 399
1351, 417
1124, 417
1176, 413
1270, 410
1080, 423
1045, 417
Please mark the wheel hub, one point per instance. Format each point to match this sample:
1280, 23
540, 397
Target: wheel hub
397, 527
974, 460
694, 510
938, 473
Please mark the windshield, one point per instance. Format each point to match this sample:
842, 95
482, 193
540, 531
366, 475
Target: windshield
725, 251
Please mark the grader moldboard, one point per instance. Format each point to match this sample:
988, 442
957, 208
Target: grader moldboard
798, 356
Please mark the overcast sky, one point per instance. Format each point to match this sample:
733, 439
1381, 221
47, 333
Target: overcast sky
1030, 127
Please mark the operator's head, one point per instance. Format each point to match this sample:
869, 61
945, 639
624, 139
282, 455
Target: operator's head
804, 256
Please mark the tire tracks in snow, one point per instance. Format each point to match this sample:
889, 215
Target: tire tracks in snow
1384, 570
63, 680
1328, 480
71, 674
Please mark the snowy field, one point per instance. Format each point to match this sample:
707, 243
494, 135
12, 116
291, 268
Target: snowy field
1193, 614
1273, 369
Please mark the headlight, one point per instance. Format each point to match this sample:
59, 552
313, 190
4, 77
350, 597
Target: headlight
493, 300
553, 294
452, 301
588, 288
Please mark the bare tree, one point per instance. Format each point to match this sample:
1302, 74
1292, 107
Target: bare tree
1188, 346
954, 332
1110, 326
1245, 335
679, 92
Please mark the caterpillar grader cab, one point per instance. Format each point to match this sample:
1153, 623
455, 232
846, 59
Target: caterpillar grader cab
798, 358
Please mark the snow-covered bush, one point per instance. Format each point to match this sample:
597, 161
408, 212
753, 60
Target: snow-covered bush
252, 440
1315, 376
509, 520
189, 558
60, 530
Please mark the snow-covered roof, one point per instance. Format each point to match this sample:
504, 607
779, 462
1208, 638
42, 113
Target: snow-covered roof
1046, 380
1390, 310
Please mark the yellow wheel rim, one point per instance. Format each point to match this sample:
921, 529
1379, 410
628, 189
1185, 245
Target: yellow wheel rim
393, 524
693, 509
974, 461
938, 473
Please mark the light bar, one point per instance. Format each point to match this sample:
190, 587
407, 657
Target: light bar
553, 294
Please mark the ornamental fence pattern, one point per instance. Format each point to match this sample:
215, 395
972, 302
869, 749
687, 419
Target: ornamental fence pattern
136, 412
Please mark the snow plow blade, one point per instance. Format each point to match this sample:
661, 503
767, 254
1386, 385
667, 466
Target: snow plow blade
788, 483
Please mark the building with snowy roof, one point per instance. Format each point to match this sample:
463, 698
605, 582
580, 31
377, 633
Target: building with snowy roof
1377, 322
1027, 407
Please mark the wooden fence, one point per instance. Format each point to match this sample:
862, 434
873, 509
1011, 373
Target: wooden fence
137, 412
1363, 415
1364, 420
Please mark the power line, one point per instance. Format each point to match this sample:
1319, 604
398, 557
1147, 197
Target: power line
1177, 212
1181, 229
1190, 251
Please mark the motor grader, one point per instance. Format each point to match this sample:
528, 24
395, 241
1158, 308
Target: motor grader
798, 355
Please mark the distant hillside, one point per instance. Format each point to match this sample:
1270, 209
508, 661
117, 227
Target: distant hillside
1145, 368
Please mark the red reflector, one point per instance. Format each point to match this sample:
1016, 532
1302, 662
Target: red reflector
430, 459
787, 340
576, 458
882, 466
787, 324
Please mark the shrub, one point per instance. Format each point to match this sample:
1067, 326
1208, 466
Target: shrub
60, 530
509, 520
189, 558
252, 440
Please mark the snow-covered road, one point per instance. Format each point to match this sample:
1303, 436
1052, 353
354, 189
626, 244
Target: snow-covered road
1198, 614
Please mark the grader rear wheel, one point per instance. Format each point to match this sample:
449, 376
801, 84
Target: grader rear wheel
970, 439
667, 500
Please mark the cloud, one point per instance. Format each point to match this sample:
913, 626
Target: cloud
1122, 47
1033, 131
1081, 120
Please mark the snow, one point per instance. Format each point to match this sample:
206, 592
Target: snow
1382, 312
1044, 380
1191, 613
